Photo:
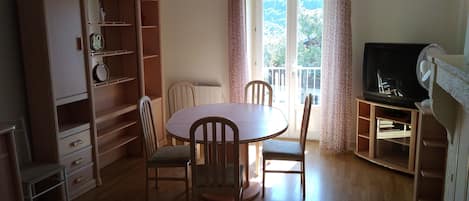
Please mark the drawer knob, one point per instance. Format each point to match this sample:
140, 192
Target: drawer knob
78, 180
77, 162
76, 143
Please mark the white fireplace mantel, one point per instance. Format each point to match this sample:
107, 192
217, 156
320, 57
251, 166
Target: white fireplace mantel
449, 94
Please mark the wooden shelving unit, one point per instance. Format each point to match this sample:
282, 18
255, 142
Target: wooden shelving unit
150, 60
386, 135
115, 100
432, 147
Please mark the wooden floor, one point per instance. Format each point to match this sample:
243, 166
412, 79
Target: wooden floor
329, 177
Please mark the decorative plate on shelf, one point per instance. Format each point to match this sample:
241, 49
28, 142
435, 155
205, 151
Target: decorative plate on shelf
97, 41
101, 73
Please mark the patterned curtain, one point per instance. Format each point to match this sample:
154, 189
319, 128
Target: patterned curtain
238, 69
336, 76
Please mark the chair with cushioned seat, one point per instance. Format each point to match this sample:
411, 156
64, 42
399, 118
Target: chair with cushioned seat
258, 92
33, 172
288, 150
160, 157
218, 176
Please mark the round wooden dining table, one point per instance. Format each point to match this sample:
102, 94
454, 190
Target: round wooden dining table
255, 123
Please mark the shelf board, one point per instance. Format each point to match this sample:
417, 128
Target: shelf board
364, 118
110, 53
434, 144
110, 24
106, 148
149, 27
114, 128
114, 112
149, 56
431, 174
402, 141
391, 162
363, 136
150, 0
72, 128
395, 119
113, 81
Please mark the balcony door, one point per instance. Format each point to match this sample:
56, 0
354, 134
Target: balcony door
288, 56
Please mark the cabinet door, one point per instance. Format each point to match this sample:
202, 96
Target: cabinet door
158, 121
66, 57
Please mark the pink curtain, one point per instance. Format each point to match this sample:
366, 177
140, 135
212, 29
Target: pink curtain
238, 70
336, 76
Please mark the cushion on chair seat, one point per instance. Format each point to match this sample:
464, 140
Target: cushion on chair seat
203, 176
282, 150
179, 154
36, 172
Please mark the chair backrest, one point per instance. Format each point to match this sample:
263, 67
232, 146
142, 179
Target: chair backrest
22, 142
305, 121
258, 92
181, 95
221, 150
148, 128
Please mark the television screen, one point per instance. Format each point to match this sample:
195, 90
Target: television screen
389, 73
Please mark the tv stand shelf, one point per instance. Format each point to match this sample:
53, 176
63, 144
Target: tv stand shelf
386, 135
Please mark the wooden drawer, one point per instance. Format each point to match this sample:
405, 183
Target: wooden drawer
73, 143
77, 159
80, 178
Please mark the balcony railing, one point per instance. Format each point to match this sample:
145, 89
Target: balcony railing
308, 81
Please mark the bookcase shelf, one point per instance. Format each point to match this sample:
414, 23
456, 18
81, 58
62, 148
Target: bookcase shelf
110, 53
110, 24
114, 112
106, 131
114, 81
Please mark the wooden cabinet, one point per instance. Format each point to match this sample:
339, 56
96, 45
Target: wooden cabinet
150, 60
10, 181
66, 54
430, 166
386, 135
77, 121
57, 84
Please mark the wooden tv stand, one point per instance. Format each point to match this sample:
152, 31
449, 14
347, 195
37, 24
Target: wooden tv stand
386, 135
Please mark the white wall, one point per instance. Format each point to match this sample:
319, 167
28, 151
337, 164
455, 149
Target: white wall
410, 21
12, 91
195, 41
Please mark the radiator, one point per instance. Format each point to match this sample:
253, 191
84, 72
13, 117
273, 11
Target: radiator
208, 93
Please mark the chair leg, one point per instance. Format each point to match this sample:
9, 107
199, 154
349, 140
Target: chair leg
146, 183
258, 156
65, 185
303, 178
156, 178
30, 192
187, 182
263, 177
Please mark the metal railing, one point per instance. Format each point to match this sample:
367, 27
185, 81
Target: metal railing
308, 81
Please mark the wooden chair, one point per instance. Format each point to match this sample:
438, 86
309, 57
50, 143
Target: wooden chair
33, 173
258, 92
160, 157
219, 176
180, 95
287, 150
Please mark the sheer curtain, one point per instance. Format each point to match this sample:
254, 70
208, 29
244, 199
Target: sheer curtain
336, 76
238, 70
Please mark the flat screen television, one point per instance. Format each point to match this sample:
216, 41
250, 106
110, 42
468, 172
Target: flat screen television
389, 74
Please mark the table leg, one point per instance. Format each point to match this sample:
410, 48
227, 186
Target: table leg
251, 189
